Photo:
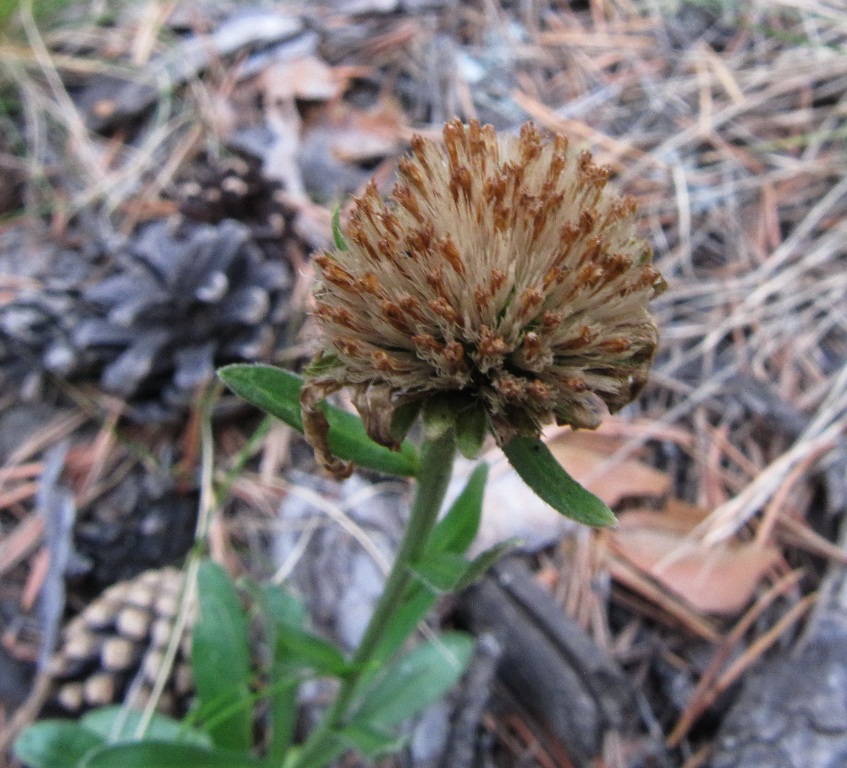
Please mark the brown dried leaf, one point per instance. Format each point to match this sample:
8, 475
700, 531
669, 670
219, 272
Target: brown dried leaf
719, 579
306, 78
661, 604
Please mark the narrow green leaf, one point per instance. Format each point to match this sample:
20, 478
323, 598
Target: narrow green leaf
303, 649
274, 390
55, 744
220, 658
282, 695
457, 529
114, 724
539, 469
153, 754
331, 748
337, 237
484, 561
279, 609
440, 571
415, 606
443, 572
277, 391
370, 743
349, 440
414, 681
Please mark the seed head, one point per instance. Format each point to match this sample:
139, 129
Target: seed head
501, 268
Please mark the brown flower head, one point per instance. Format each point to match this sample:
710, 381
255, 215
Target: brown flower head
501, 268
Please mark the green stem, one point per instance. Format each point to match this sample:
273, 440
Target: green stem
436, 466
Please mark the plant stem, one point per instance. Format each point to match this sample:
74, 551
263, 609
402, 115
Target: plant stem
436, 466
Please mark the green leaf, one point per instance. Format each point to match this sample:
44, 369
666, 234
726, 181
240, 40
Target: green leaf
282, 696
114, 724
280, 608
281, 611
274, 390
349, 440
539, 469
303, 649
370, 743
331, 747
471, 429
456, 531
337, 237
153, 754
55, 744
484, 561
277, 391
440, 571
449, 571
417, 603
414, 681
220, 659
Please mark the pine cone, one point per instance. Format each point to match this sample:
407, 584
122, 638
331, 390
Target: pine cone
232, 188
119, 640
152, 315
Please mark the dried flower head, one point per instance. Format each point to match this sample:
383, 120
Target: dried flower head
500, 268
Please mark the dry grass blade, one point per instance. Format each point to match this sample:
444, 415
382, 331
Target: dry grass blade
669, 606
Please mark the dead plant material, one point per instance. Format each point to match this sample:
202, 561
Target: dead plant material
718, 579
21, 541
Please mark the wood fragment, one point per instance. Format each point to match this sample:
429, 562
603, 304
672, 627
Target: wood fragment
548, 663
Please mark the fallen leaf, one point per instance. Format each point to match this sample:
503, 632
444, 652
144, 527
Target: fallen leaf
658, 602
719, 579
306, 78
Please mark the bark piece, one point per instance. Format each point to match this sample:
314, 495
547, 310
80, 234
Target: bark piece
549, 664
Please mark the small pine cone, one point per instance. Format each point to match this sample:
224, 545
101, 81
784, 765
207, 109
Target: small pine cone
152, 317
117, 644
185, 302
231, 188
